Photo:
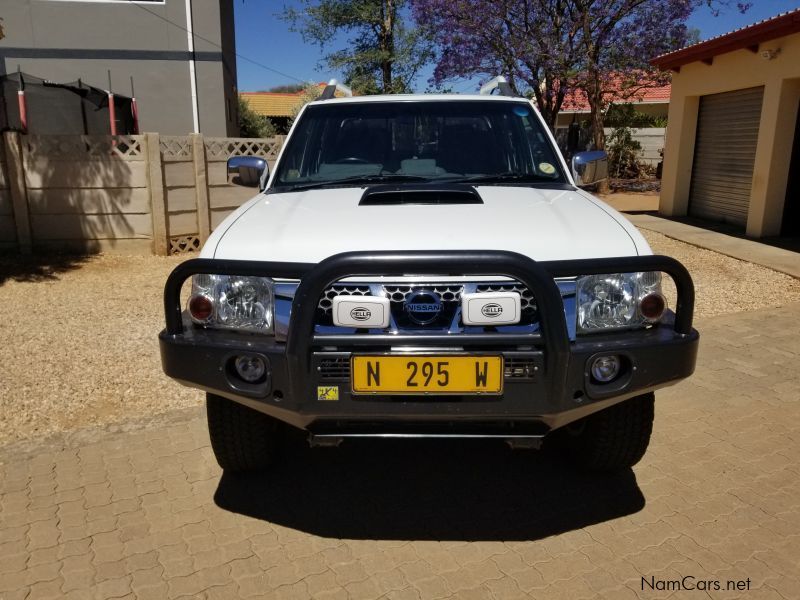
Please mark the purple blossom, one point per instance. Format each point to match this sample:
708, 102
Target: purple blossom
548, 47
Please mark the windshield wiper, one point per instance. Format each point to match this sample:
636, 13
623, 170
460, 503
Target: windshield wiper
502, 177
356, 179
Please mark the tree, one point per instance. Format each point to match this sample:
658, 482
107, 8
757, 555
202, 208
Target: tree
290, 88
311, 92
383, 54
556, 46
626, 115
527, 41
616, 40
252, 124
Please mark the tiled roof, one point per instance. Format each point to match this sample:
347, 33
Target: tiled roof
575, 100
745, 37
273, 104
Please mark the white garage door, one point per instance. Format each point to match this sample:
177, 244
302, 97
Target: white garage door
724, 153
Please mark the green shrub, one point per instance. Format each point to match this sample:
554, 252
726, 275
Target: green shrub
622, 152
625, 115
252, 124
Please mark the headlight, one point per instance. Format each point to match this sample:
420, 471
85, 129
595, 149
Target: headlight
619, 301
233, 302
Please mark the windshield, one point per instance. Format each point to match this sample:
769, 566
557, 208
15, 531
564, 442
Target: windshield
468, 140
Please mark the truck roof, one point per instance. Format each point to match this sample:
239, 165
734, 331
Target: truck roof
421, 97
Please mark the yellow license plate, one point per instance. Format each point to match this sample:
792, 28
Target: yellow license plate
418, 374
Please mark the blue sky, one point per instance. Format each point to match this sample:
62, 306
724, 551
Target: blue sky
263, 37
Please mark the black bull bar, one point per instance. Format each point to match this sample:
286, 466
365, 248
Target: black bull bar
538, 277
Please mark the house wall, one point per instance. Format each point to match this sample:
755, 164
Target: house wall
733, 71
162, 87
652, 142
64, 40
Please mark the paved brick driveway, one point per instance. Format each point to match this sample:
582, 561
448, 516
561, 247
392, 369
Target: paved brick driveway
144, 513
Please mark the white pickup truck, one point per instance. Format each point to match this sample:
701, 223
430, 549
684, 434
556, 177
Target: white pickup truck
427, 266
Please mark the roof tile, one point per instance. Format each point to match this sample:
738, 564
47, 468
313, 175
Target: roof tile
576, 101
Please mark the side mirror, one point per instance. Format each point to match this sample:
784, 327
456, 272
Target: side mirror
250, 171
590, 167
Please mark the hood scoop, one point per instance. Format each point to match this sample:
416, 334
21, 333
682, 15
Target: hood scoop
420, 194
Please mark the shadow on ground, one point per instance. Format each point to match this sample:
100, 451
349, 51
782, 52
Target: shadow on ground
791, 243
33, 268
428, 490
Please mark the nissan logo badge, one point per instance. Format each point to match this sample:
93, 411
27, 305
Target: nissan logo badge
492, 310
423, 306
359, 313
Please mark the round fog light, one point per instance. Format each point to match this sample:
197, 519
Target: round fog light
250, 368
605, 368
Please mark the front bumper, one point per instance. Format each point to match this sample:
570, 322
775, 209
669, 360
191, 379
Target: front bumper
552, 390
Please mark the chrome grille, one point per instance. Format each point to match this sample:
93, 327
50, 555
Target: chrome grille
448, 293
326, 300
526, 297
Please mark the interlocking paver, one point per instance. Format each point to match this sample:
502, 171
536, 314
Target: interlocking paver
433, 587
349, 572
10, 582
471, 576
478, 593
408, 593
529, 580
43, 534
252, 585
389, 581
132, 514
341, 594
364, 590
43, 590
195, 583
505, 588
221, 592
41, 573
112, 588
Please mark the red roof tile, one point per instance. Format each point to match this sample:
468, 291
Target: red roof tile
575, 100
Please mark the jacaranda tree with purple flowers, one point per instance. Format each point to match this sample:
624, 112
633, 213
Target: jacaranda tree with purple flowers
549, 47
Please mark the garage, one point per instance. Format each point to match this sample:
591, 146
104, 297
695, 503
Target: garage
790, 226
730, 155
725, 152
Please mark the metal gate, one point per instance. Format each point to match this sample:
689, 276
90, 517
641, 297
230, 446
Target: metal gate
724, 153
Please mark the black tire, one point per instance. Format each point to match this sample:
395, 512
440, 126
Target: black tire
615, 438
242, 439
